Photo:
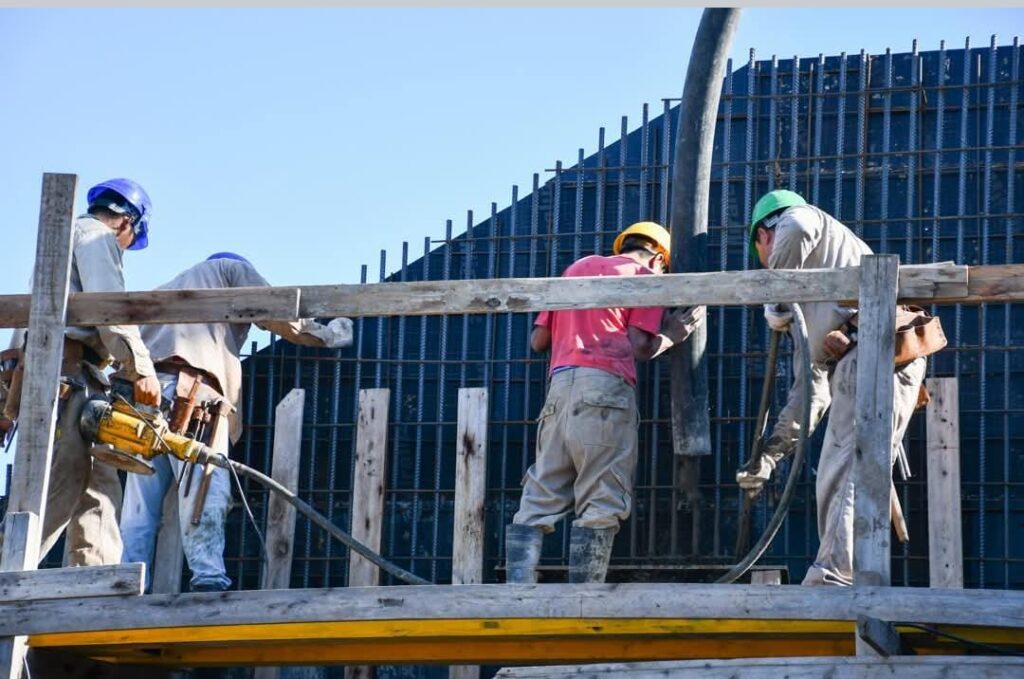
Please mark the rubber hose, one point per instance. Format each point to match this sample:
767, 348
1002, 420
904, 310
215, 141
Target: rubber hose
319, 519
758, 550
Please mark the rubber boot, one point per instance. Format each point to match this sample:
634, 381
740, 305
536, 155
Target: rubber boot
589, 552
522, 553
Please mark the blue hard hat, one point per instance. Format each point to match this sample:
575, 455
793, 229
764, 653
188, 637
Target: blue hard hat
134, 201
228, 255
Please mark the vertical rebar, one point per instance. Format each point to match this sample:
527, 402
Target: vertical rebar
556, 221
773, 110
577, 236
620, 208
397, 424
913, 144
840, 138
442, 356
666, 161
250, 411
643, 211
862, 134
417, 471
313, 414
599, 199
1011, 165
794, 122
886, 146
506, 401
819, 117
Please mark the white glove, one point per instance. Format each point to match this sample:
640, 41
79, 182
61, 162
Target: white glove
778, 316
753, 480
336, 334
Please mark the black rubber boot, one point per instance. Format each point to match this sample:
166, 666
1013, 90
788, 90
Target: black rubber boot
522, 553
589, 552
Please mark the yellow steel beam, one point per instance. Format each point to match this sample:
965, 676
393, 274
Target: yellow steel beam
493, 640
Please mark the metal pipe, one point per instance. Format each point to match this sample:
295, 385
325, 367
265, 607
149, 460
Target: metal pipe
691, 425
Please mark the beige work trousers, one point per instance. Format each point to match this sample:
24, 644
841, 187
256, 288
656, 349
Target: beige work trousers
586, 452
835, 485
83, 491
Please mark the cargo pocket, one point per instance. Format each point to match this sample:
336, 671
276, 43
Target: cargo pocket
603, 418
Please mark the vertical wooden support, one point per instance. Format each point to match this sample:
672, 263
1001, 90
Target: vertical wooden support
945, 526
277, 572
168, 557
872, 469
37, 422
470, 488
285, 470
368, 484
368, 493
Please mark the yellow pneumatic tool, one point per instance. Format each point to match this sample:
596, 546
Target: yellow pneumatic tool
128, 437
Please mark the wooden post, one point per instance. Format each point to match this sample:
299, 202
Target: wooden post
277, 572
876, 349
368, 493
470, 488
285, 470
945, 526
169, 556
37, 422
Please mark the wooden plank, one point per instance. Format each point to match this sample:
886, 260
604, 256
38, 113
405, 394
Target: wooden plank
166, 306
285, 470
368, 483
30, 481
277, 572
533, 602
470, 487
924, 667
368, 493
168, 557
470, 491
67, 583
945, 525
873, 460
917, 283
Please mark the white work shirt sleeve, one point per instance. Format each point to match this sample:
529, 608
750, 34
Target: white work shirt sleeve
98, 260
305, 331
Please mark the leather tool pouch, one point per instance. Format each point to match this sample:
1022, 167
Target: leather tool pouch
12, 372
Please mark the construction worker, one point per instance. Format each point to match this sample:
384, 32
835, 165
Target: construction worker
790, 234
197, 364
83, 491
587, 429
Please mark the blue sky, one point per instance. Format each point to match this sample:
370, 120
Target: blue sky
308, 140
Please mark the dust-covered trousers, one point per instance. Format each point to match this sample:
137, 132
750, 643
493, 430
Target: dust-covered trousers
84, 493
586, 452
143, 510
835, 484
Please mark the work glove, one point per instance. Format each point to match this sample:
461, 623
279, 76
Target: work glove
779, 316
756, 472
337, 333
679, 324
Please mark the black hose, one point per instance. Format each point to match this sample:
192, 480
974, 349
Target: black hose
317, 518
758, 550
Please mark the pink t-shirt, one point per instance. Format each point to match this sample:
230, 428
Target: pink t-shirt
597, 338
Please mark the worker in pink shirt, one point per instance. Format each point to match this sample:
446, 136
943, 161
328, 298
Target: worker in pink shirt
587, 429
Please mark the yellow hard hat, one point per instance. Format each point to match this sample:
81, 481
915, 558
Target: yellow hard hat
652, 231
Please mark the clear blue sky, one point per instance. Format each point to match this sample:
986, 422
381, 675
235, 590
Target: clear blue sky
308, 140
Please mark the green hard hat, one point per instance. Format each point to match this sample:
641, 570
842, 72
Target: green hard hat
769, 203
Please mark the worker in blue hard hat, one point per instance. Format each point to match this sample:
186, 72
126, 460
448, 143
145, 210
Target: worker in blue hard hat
85, 494
787, 233
198, 363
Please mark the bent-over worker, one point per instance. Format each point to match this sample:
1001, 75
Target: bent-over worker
790, 234
198, 364
587, 428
